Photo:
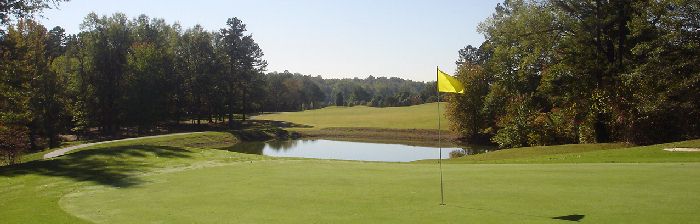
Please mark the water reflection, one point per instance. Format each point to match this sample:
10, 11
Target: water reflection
328, 149
248, 147
283, 145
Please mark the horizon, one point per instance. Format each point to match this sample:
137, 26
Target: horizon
335, 40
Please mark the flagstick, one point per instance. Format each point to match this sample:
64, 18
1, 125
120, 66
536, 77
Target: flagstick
442, 189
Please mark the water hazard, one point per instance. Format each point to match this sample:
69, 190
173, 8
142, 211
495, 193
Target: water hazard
342, 150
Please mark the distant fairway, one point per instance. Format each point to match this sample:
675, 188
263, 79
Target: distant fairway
186, 179
422, 116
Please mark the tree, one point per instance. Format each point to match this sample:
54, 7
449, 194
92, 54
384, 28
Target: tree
663, 84
107, 43
13, 142
49, 99
33, 99
312, 93
604, 26
15, 94
22, 9
563, 71
243, 62
339, 101
521, 37
359, 95
197, 64
149, 78
466, 110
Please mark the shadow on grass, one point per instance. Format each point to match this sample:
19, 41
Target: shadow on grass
271, 123
573, 218
114, 166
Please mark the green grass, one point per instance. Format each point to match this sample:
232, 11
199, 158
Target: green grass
422, 116
349, 192
184, 179
31, 191
587, 153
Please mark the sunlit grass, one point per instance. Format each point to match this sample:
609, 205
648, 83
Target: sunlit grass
190, 179
422, 116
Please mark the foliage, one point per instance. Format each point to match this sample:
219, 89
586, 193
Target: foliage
339, 100
13, 142
32, 95
467, 108
22, 9
583, 71
242, 63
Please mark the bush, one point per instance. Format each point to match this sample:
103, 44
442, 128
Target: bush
458, 153
516, 124
14, 141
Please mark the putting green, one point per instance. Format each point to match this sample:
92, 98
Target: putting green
313, 191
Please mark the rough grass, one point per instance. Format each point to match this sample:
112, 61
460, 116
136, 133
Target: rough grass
422, 116
184, 179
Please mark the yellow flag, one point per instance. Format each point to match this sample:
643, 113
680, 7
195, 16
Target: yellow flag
448, 84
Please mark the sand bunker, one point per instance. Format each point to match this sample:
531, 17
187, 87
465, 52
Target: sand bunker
682, 149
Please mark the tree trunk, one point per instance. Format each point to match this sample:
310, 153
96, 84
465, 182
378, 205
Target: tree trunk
601, 131
32, 140
211, 117
230, 119
243, 103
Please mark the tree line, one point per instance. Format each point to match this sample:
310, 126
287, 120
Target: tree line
120, 72
141, 73
565, 71
288, 91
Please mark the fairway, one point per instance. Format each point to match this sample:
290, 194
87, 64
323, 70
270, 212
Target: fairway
423, 116
190, 179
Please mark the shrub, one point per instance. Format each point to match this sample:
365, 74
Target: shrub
515, 124
14, 140
458, 153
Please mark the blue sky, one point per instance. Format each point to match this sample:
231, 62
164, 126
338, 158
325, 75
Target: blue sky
334, 39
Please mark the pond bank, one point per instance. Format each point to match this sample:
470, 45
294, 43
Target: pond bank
341, 150
416, 137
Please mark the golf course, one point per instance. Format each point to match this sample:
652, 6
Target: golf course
490, 111
192, 178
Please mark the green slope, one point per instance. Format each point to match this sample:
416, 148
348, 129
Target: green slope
586, 153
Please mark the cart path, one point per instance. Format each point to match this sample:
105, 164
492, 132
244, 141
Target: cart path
62, 151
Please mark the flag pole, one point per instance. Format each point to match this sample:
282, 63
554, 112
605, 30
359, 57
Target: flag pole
442, 191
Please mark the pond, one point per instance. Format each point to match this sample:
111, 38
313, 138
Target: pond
342, 150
